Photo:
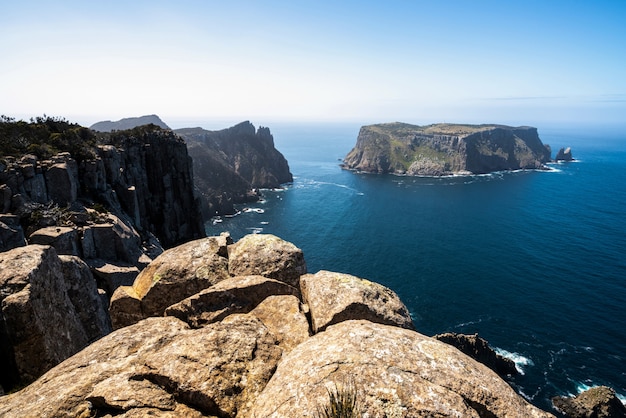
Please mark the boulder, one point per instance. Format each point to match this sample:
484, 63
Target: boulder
285, 318
65, 240
173, 276
62, 181
394, 372
266, 255
597, 402
478, 349
111, 275
157, 367
50, 309
239, 294
336, 297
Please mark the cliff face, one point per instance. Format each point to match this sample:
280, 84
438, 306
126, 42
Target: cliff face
446, 149
230, 163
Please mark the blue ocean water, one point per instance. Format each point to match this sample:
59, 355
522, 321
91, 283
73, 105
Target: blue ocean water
534, 262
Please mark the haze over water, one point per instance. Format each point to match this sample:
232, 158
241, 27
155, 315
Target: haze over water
532, 261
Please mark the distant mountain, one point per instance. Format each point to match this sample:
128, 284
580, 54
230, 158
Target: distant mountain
128, 123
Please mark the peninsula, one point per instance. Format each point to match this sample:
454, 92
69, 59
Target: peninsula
446, 149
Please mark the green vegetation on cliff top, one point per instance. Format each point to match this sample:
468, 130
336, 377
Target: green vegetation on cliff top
400, 129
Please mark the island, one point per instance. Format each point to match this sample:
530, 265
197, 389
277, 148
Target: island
446, 149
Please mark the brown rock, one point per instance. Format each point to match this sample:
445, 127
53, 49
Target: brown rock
125, 307
235, 295
157, 366
478, 349
266, 255
174, 275
51, 309
336, 297
395, 372
285, 319
597, 402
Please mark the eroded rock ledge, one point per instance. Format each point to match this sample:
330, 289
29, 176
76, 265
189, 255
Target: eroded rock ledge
259, 338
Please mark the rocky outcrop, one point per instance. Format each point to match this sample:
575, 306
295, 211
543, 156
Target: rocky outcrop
230, 164
267, 255
597, 402
51, 309
446, 149
334, 297
564, 154
128, 123
478, 349
395, 372
246, 347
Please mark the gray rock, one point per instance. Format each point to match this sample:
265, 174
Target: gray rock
266, 255
11, 233
239, 294
65, 240
395, 373
564, 154
336, 297
50, 307
478, 349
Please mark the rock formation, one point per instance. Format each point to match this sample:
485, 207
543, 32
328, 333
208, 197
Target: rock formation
246, 346
597, 402
230, 164
446, 149
478, 349
564, 154
51, 309
128, 123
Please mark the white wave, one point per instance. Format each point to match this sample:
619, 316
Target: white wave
255, 230
520, 361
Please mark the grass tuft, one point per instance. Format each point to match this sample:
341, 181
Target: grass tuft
342, 403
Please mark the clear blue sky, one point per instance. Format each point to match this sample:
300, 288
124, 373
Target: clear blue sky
518, 62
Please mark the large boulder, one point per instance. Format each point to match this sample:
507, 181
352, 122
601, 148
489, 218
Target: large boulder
11, 233
157, 367
478, 349
285, 317
239, 294
173, 276
65, 240
336, 297
395, 372
266, 255
51, 309
597, 402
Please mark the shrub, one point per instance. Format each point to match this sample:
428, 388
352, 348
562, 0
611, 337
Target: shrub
342, 403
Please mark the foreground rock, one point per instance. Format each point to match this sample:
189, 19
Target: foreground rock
446, 149
174, 275
335, 297
51, 309
598, 402
158, 367
478, 349
245, 346
396, 372
267, 255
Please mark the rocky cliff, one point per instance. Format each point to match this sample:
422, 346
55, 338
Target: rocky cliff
446, 149
260, 337
231, 164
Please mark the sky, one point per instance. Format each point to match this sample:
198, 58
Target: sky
515, 62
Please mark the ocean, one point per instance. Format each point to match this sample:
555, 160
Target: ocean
532, 261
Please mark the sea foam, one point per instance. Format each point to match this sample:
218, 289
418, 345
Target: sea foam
520, 361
